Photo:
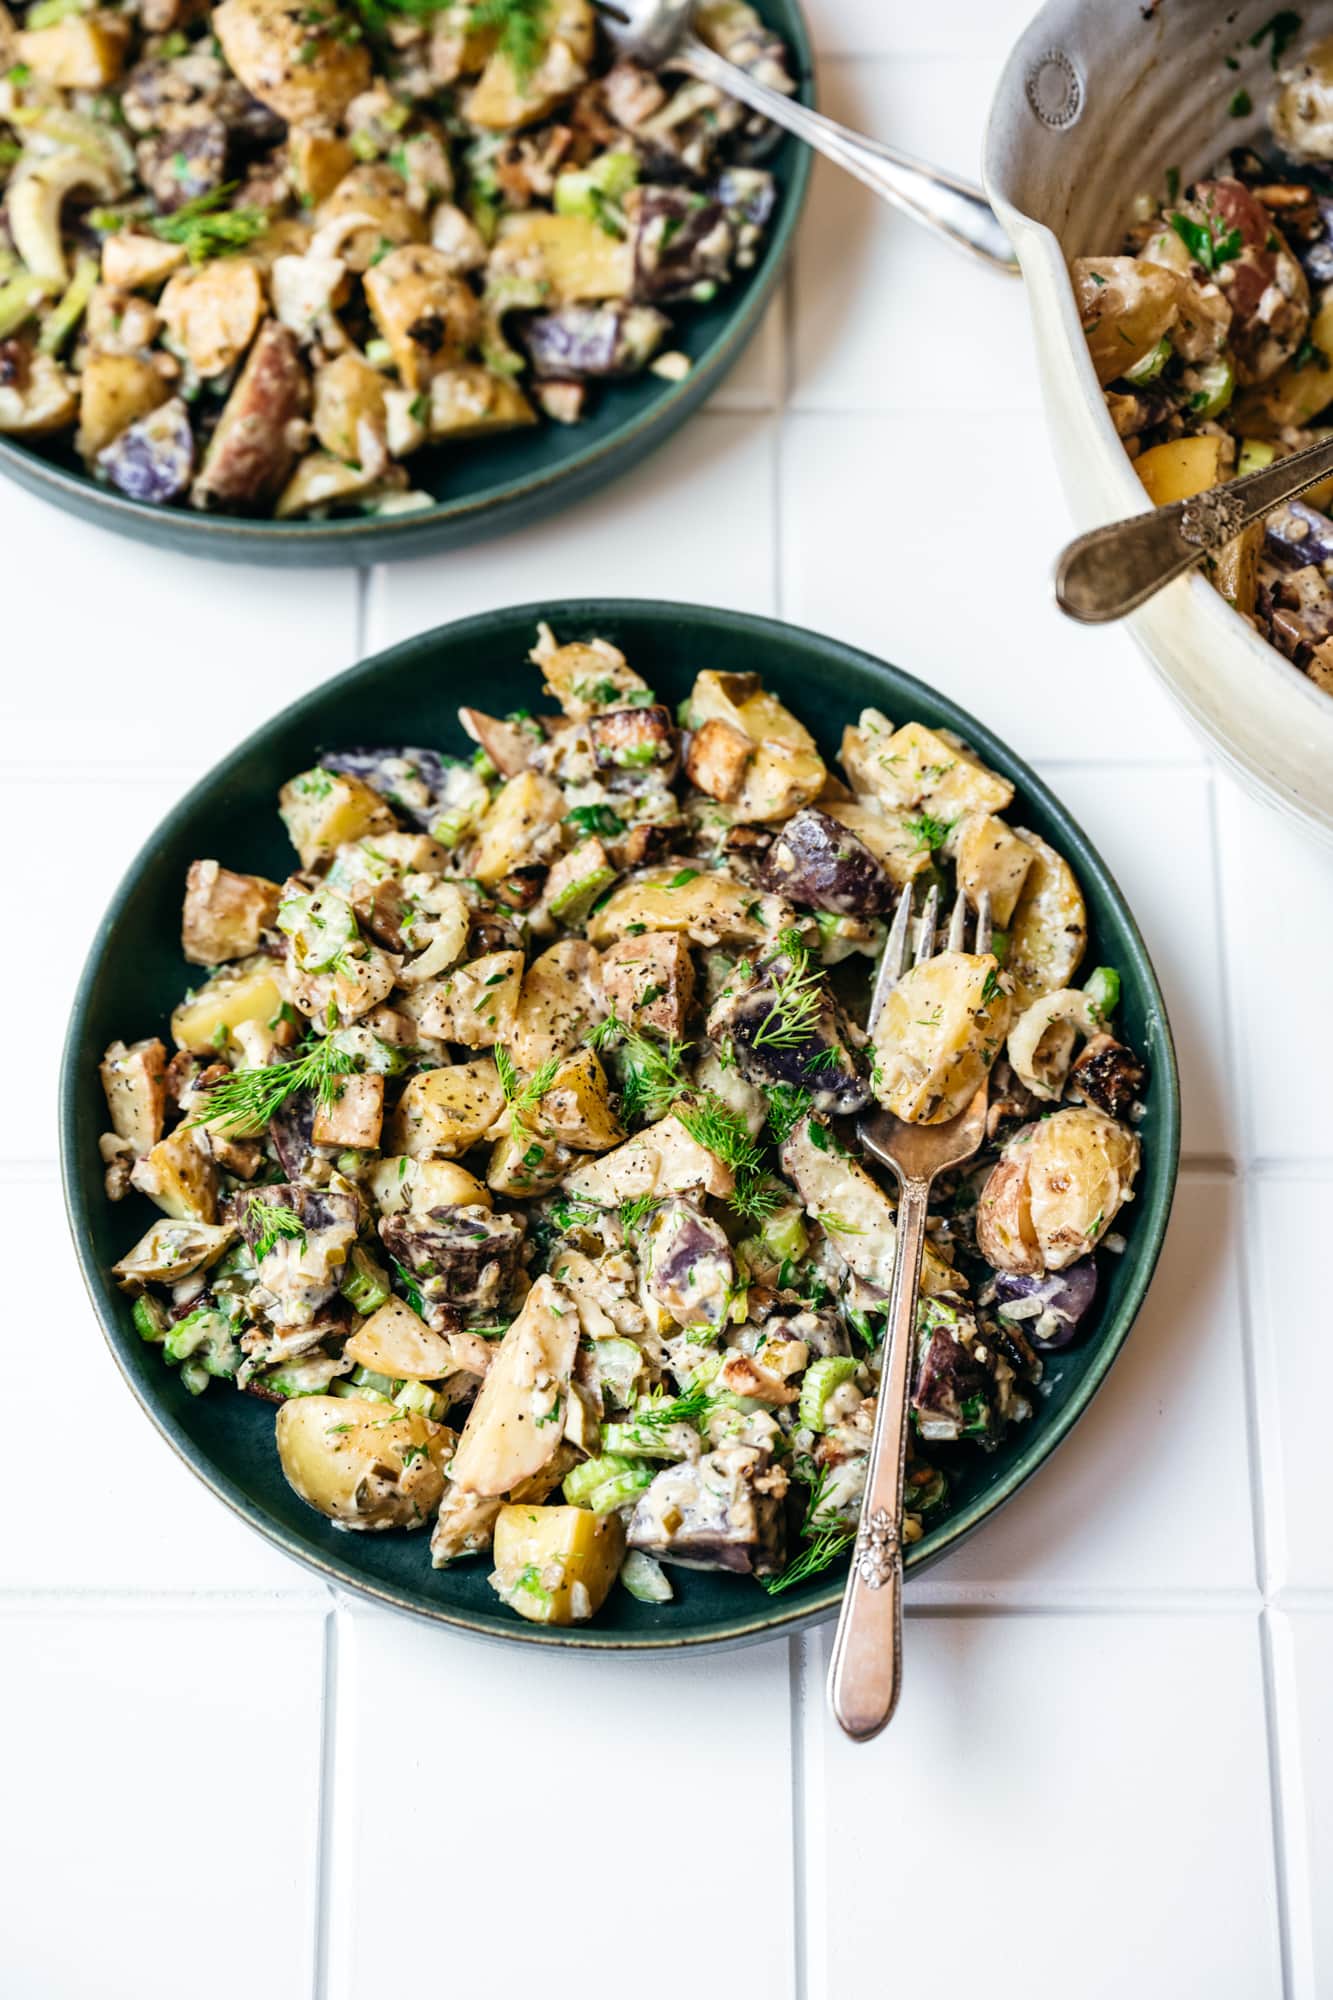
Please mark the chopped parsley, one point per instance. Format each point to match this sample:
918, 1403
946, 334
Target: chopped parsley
1209, 242
596, 819
1281, 31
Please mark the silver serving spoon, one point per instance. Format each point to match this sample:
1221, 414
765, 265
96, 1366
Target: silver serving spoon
657, 32
1112, 570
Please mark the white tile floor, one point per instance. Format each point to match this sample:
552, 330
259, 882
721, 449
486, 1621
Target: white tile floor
1113, 1766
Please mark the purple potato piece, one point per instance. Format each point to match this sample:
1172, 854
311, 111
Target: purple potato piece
683, 245
952, 1394
179, 166
747, 193
1297, 535
153, 458
291, 1129
722, 1511
412, 781
594, 341
458, 1256
819, 863
691, 1271
752, 1020
1048, 1308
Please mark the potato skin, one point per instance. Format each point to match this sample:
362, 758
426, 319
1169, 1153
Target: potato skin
114, 390
211, 313
292, 56
363, 1464
428, 316
1056, 1190
224, 913
821, 864
251, 455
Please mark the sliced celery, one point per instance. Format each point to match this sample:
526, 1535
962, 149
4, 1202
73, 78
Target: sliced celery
822, 1377
645, 1579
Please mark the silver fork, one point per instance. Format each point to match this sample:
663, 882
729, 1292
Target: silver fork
655, 32
865, 1671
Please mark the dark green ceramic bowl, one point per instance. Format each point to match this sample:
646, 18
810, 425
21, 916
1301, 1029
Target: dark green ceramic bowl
493, 484
135, 974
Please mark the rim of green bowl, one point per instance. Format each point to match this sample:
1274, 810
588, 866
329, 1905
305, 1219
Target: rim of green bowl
524, 496
769, 1618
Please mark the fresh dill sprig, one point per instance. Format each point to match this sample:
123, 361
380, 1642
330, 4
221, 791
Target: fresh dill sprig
275, 1224
722, 1132
659, 1413
929, 832
523, 30
653, 1072
787, 1105
248, 1098
825, 1541
798, 997
524, 1097
654, 1077
634, 1213
204, 228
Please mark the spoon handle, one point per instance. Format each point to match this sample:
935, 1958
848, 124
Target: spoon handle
1111, 571
866, 1666
953, 208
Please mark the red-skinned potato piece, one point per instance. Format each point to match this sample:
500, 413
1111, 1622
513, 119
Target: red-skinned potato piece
252, 451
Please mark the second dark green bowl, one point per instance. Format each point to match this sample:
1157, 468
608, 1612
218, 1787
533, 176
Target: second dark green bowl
492, 484
135, 975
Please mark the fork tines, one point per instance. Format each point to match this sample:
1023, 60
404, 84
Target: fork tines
911, 940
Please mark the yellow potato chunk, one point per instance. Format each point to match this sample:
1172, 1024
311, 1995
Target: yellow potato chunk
784, 771
710, 908
1055, 1191
1126, 304
82, 52
348, 413
581, 261
560, 998
1297, 394
323, 809
517, 1421
178, 1174
224, 914
202, 1021
468, 400
445, 1111
400, 1183
476, 1003
1180, 468
556, 1565
114, 391
504, 98
577, 1106
528, 806
318, 161
916, 770
294, 55
940, 1031
990, 858
363, 1464
396, 1342
133, 263
661, 1160
212, 313
1048, 931
429, 316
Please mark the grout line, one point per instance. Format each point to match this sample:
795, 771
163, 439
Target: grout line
1290, 1860
808, 1751
328, 1752
23, 1601
799, 1857
364, 580
928, 1600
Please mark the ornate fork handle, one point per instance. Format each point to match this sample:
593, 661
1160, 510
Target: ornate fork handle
865, 1671
950, 206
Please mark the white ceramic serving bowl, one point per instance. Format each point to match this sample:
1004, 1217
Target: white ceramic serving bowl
1096, 102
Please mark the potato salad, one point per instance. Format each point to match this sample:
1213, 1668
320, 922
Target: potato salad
508, 1146
257, 257
1212, 335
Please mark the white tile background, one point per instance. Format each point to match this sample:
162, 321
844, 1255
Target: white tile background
1113, 1765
